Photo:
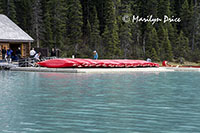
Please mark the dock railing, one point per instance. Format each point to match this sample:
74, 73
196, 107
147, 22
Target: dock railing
31, 62
26, 62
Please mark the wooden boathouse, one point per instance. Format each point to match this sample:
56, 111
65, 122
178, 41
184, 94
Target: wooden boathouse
13, 37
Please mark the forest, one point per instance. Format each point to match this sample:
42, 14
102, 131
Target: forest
78, 27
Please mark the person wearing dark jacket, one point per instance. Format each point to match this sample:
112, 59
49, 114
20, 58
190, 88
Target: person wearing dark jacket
3, 53
18, 53
53, 52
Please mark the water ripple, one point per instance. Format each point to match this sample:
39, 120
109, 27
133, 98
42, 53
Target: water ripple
84, 103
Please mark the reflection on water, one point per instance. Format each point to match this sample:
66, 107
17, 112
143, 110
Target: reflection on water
127, 102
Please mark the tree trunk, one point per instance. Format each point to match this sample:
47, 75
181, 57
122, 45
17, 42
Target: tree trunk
144, 45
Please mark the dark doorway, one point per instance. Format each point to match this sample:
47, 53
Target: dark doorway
14, 47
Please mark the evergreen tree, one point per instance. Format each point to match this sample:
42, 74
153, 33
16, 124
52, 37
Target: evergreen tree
196, 26
57, 12
147, 9
110, 34
48, 34
136, 38
24, 15
164, 8
182, 47
10, 10
125, 40
185, 15
160, 33
172, 34
166, 49
173, 7
154, 55
84, 49
152, 7
152, 48
37, 21
1, 7
88, 31
125, 30
95, 38
85, 4
86, 27
195, 16
100, 7
74, 25
137, 32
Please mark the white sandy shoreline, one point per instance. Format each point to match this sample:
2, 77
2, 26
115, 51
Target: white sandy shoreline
103, 70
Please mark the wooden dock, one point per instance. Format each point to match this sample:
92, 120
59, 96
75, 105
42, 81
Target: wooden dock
90, 70
103, 70
6, 66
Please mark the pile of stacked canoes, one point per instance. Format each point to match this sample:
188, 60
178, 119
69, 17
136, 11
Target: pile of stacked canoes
87, 63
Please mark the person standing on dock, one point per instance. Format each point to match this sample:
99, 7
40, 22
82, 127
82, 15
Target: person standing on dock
53, 52
95, 55
3, 53
18, 53
9, 54
32, 53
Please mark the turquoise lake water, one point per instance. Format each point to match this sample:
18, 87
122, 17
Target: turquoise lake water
166, 102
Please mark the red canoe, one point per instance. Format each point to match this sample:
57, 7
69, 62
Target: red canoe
60, 63
57, 63
109, 63
79, 62
125, 63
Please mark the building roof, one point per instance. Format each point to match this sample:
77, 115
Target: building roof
10, 32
